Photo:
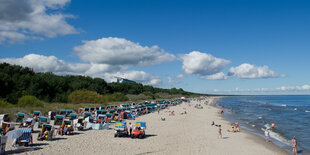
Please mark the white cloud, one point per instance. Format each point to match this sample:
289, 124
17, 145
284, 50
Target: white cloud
202, 64
138, 76
33, 19
119, 51
248, 71
268, 90
41, 63
217, 76
294, 88
180, 76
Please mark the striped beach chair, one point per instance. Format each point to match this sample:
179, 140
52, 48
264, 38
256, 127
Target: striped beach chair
26, 137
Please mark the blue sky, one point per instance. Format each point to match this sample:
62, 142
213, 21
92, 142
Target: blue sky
221, 47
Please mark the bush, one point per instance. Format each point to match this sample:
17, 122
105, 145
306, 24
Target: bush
85, 96
116, 97
4, 104
29, 101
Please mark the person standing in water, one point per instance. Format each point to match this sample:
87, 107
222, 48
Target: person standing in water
294, 145
267, 135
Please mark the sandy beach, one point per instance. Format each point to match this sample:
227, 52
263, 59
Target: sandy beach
189, 133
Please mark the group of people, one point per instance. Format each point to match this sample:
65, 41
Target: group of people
234, 127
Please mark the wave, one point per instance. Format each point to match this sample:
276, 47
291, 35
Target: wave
307, 111
276, 135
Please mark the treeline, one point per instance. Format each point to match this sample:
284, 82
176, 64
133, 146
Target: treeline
17, 81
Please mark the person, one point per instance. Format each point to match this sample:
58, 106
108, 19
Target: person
7, 129
294, 145
44, 134
212, 123
60, 131
267, 135
130, 128
220, 132
273, 126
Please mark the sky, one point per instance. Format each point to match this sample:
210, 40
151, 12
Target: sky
250, 47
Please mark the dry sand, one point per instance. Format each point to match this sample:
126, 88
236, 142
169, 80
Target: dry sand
180, 134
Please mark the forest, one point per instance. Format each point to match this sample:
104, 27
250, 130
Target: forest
17, 81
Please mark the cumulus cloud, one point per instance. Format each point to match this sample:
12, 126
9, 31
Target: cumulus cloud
217, 76
41, 63
202, 64
138, 76
180, 76
119, 51
32, 19
248, 71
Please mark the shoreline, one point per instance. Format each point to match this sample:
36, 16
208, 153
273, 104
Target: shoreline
255, 135
189, 133
252, 136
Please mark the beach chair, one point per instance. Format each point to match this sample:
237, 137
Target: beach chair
49, 136
51, 115
67, 127
36, 114
3, 140
63, 112
101, 117
4, 125
111, 111
68, 112
92, 109
4, 118
20, 117
58, 120
139, 131
28, 123
43, 120
86, 109
87, 114
78, 123
73, 116
26, 137
115, 117
120, 129
108, 118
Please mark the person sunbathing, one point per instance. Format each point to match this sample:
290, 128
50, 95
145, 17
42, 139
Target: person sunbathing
44, 134
6, 130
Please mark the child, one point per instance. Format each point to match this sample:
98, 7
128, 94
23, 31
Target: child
220, 132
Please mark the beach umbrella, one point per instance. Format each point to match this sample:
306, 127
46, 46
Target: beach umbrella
14, 134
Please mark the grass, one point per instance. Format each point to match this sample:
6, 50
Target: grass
12, 110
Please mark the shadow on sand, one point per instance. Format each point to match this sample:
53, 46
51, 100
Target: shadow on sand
38, 144
59, 138
149, 135
22, 150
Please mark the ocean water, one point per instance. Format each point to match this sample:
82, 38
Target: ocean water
291, 115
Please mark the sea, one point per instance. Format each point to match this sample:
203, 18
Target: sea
290, 114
